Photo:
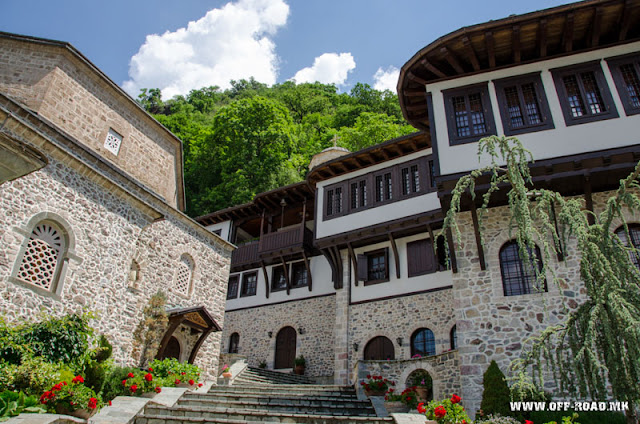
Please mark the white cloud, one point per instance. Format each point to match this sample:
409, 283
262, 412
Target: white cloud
227, 43
329, 68
386, 79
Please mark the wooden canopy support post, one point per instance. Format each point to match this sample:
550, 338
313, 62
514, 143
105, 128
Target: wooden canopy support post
476, 231
354, 261
173, 324
266, 277
542, 37
452, 252
307, 266
261, 231
286, 274
201, 339
588, 199
471, 54
396, 257
517, 54
327, 254
336, 254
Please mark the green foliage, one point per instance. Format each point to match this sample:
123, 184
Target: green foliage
35, 375
7, 375
496, 394
253, 138
70, 395
583, 417
113, 382
171, 368
14, 403
421, 378
104, 349
299, 361
446, 411
599, 342
148, 334
95, 374
497, 419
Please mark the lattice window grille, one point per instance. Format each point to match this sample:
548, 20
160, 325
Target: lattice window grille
183, 276
41, 256
113, 141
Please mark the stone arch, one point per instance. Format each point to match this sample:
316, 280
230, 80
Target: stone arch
271, 355
369, 336
437, 334
421, 365
57, 227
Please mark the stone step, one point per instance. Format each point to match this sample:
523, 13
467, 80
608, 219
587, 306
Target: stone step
278, 390
305, 406
249, 397
248, 416
277, 376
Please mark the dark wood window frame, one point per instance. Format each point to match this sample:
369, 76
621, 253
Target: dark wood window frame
244, 292
521, 277
483, 90
234, 281
295, 267
427, 265
605, 93
364, 261
389, 191
546, 120
615, 64
368, 190
634, 232
453, 337
329, 196
428, 342
277, 271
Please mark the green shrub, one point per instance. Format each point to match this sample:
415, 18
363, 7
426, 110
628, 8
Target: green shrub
70, 395
63, 339
95, 374
36, 375
14, 403
171, 368
590, 417
113, 386
496, 394
104, 349
496, 419
7, 375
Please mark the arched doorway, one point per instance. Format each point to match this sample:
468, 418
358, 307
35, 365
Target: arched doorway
379, 348
285, 348
172, 350
423, 382
234, 341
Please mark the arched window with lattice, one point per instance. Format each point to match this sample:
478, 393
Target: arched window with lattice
41, 261
184, 275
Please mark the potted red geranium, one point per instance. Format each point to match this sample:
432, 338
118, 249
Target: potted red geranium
375, 385
448, 411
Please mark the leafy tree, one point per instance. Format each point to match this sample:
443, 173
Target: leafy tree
598, 345
496, 394
151, 100
371, 128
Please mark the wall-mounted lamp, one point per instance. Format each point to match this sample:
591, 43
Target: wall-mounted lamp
301, 330
270, 334
355, 347
399, 340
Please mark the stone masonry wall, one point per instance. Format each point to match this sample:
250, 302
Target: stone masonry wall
400, 317
106, 234
62, 89
315, 315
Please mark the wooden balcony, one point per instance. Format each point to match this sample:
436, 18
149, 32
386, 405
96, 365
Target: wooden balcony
245, 254
285, 241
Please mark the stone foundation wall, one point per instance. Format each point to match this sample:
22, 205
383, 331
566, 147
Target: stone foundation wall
106, 233
315, 316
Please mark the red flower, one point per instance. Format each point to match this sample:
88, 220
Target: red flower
133, 388
369, 376
440, 411
177, 381
199, 384
182, 373
408, 397
109, 403
191, 382
77, 379
124, 382
64, 383
393, 383
46, 396
421, 408
455, 398
93, 403
57, 387
362, 383
150, 369
148, 377
158, 389
528, 422
130, 375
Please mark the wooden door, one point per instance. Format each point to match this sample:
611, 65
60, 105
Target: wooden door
285, 348
379, 348
172, 350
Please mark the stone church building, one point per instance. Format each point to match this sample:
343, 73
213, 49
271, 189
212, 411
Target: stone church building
342, 267
91, 201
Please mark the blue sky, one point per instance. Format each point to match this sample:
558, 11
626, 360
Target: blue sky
182, 45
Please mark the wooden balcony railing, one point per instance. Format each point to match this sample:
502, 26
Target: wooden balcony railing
293, 238
245, 254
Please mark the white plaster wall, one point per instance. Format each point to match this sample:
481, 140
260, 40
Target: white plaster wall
561, 141
375, 215
322, 284
224, 227
402, 285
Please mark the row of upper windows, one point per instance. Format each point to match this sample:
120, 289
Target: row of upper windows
379, 187
582, 90
297, 273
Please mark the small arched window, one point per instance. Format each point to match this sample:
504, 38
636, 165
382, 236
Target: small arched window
453, 337
134, 274
519, 277
423, 342
184, 274
234, 341
634, 234
41, 262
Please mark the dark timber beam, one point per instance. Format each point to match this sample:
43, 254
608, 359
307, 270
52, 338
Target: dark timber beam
471, 53
338, 265
515, 37
308, 268
476, 231
196, 347
354, 261
452, 59
560, 251
596, 27
286, 274
491, 48
173, 324
396, 257
542, 37
266, 277
588, 200
452, 252
432, 68
434, 245
567, 33
327, 254
414, 77
625, 20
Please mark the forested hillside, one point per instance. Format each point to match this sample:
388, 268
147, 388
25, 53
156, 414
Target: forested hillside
253, 138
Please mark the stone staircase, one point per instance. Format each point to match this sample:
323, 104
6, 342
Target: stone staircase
252, 375
261, 396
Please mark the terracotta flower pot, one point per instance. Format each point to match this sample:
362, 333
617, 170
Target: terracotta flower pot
299, 369
227, 374
370, 392
423, 393
83, 413
396, 406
